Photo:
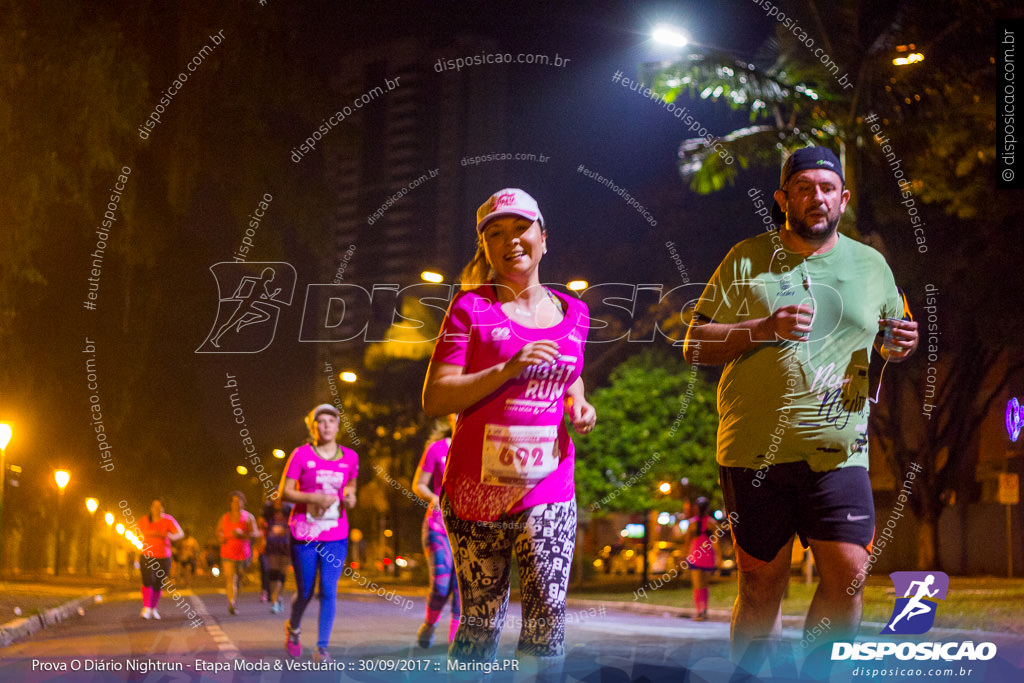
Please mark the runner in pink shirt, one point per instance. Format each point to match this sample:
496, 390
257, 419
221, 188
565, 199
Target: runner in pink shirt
158, 530
436, 547
320, 478
508, 361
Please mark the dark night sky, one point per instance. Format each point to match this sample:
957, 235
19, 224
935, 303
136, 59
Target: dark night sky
576, 115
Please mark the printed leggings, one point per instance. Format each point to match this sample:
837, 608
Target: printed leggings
543, 538
442, 579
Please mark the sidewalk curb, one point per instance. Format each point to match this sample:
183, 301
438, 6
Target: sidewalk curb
17, 629
668, 611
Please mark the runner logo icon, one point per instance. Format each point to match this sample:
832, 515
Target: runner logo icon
250, 297
914, 613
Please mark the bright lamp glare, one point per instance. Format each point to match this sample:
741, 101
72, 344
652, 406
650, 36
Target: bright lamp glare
669, 36
578, 285
431, 276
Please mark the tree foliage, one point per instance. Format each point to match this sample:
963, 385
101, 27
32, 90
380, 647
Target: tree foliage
657, 421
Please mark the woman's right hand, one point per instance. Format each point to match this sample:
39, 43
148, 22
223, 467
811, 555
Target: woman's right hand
534, 353
325, 500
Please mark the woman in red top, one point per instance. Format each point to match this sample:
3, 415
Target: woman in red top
158, 530
235, 530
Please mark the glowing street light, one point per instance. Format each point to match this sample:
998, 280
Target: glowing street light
242, 469
120, 529
348, 376
670, 36
278, 453
431, 276
109, 518
578, 285
665, 487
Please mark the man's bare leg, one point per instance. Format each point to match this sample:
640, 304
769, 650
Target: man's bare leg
833, 605
757, 614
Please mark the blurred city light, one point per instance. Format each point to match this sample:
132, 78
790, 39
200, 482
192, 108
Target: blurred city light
912, 58
578, 285
348, 376
278, 453
431, 276
62, 477
91, 504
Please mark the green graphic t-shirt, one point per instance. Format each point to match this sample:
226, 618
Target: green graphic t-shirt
789, 401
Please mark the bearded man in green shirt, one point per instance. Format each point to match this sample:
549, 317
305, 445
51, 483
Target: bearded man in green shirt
794, 316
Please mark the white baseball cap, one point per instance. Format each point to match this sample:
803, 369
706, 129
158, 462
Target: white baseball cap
508, 202
311, 417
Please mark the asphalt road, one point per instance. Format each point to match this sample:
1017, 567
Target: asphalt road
374, 640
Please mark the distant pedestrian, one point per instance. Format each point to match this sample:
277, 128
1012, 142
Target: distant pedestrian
158, 530
436, 547
188, 553
236, 531
702, 559
320, 478
277, 548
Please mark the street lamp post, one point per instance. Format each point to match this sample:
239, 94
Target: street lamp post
5, 437
109, 519
90, 504
62, 477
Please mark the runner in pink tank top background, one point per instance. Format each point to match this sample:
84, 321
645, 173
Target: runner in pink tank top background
436, 547
508, 361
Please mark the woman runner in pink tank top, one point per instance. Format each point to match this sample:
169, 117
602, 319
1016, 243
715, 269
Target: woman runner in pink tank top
508, 361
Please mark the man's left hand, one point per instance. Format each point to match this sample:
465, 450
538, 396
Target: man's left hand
904, 339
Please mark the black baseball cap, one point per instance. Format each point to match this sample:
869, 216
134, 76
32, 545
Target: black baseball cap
807, 158
804, 159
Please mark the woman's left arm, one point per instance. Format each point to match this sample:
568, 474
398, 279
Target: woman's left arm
177, 534
581, 413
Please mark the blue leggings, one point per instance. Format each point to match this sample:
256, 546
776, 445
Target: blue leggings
327, 557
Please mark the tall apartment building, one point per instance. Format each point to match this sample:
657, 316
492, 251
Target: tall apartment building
405, 202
